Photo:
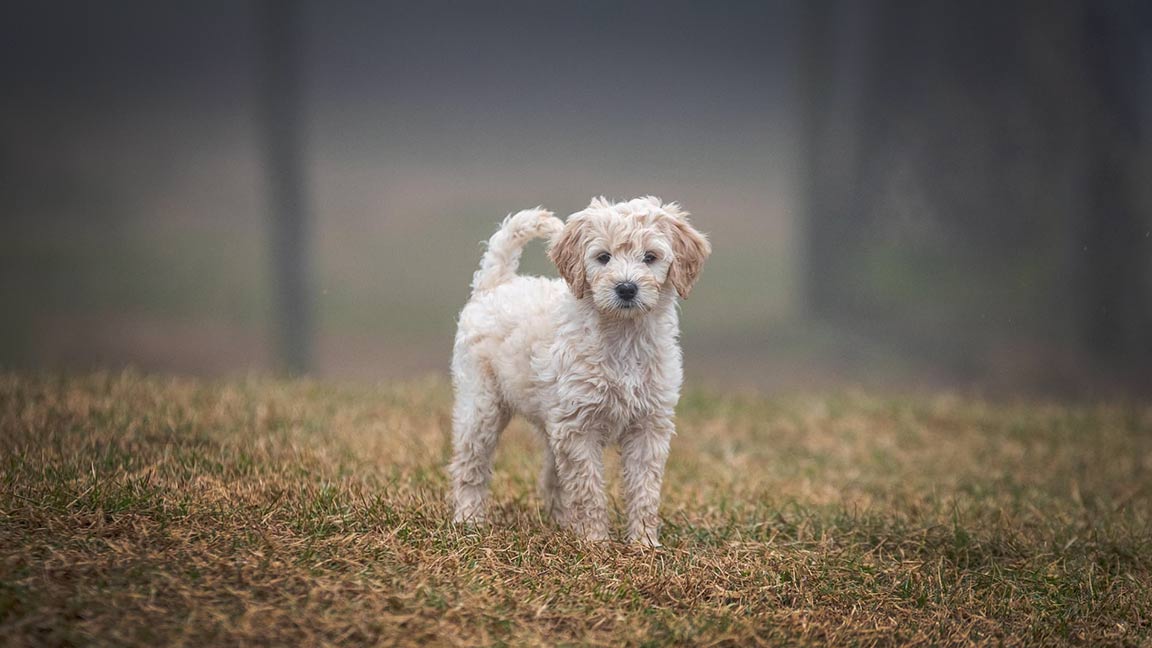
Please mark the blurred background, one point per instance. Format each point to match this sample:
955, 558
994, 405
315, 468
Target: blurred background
902, 194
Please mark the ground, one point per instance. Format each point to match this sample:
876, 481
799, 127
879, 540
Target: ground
139, 510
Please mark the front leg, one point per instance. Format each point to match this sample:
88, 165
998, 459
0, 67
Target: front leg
578, 448
550, 485
643, 453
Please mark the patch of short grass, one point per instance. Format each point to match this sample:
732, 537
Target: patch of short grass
150, 510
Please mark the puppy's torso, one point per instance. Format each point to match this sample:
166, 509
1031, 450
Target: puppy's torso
552, 358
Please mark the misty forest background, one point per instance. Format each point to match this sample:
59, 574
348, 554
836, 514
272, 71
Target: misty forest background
901, 194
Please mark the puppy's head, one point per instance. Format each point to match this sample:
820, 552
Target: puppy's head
625, 256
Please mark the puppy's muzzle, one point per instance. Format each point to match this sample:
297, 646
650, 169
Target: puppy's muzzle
626, 290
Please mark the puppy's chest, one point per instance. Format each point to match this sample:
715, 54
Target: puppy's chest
630, 388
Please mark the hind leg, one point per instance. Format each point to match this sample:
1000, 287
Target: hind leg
478, 418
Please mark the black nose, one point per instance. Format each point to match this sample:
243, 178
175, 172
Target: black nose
626, 290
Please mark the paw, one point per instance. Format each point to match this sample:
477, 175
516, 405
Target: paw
595, 536
590, 531
647, 538
554, 511
470, 517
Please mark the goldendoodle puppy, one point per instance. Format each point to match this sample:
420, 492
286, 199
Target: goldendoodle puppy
589, 360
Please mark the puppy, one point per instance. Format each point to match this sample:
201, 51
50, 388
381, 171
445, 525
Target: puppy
589, 360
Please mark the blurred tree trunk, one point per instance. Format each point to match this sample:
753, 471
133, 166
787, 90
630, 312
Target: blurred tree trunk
280, 24
977, 186
838, 49
1118, 286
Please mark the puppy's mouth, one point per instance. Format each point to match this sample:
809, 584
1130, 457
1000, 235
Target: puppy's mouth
632, 307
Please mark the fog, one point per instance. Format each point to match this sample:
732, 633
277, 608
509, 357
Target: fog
900, 195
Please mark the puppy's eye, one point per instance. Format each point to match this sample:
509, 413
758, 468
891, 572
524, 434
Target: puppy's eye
649, 257
604, 257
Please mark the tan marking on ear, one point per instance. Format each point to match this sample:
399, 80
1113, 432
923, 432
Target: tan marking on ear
567, 252
690, 249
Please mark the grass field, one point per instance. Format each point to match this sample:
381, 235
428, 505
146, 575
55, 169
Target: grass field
147, 511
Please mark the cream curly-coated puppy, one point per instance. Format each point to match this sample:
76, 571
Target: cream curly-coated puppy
589, 360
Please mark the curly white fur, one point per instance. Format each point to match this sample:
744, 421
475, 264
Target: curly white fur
585, 364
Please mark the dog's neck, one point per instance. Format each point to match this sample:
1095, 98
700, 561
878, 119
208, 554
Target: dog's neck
653, 327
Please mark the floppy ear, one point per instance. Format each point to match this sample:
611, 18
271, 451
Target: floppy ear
689, 251
567, 252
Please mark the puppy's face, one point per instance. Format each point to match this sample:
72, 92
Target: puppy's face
624, 256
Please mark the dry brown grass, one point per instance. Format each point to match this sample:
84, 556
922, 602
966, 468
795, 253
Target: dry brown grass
138, 510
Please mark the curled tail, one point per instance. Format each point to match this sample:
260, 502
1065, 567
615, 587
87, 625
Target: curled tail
503, 255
